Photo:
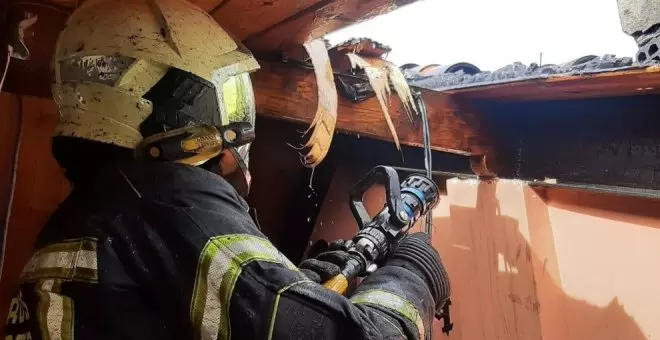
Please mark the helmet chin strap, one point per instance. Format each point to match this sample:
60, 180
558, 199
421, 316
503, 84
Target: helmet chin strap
231, 166
194, 145
212, 148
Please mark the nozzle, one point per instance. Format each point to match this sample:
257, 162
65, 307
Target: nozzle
420, 195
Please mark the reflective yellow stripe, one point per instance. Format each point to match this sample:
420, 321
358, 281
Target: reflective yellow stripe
18, 310
276, 303
71, 260
54, 311
392, 302
219, 266
74, 260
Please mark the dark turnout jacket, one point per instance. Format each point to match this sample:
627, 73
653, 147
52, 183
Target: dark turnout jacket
167, 251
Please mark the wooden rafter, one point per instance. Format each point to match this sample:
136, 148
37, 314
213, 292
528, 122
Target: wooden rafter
254, 20
324, 17
289, 93
244, 18
207, 5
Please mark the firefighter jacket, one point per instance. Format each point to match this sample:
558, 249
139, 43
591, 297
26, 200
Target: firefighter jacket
167, 251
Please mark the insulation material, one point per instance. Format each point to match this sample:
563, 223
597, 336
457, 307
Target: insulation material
363, 47
380, 74
323, 125
402, 89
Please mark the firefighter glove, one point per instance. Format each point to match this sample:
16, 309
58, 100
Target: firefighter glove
327, 264
416, 254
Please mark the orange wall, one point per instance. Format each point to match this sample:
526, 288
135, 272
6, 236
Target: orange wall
555, 264
40, 183
608, 265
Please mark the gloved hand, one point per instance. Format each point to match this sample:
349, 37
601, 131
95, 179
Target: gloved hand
327, 264
416, 254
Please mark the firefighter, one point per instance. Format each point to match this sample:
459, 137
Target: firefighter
165, 248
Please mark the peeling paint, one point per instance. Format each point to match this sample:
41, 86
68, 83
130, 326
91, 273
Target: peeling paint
402, 89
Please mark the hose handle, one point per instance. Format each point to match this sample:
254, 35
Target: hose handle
337, 284
379, 175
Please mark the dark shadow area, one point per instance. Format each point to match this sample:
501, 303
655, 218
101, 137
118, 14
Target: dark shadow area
285, 194
288, 197
611, 141
495, 292
366, 152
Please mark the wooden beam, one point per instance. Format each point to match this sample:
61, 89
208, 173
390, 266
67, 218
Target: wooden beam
316, 21
70, 5
287, 92
606, 84
244, 18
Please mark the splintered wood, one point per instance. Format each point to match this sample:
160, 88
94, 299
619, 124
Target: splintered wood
323, 126
380, 73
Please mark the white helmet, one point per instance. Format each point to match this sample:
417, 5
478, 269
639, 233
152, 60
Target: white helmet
128, 72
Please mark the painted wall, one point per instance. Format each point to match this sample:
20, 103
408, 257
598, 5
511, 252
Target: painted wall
524, 264
607, 265
40, 183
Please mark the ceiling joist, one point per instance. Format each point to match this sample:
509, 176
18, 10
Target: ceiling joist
315, 21
244, 18
287, 92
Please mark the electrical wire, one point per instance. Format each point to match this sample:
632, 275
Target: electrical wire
4, 72
12, 188
428, 164
14, 169
428, 155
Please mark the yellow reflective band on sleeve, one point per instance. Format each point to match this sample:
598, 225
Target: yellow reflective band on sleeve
74, 260
219, 266
392, 302
54, 311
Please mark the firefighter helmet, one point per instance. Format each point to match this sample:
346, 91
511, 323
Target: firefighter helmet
126, 70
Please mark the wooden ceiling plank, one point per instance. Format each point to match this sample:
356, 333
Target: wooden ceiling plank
244, 18
207, 5
289, 93
311, 24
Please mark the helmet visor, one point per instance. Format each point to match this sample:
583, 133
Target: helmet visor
237, 104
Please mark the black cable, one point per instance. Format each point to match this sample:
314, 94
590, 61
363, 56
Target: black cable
428, 155
436, 173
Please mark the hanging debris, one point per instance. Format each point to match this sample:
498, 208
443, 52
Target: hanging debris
323, 126
379, 83
400, 85
364, 47
380, 74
